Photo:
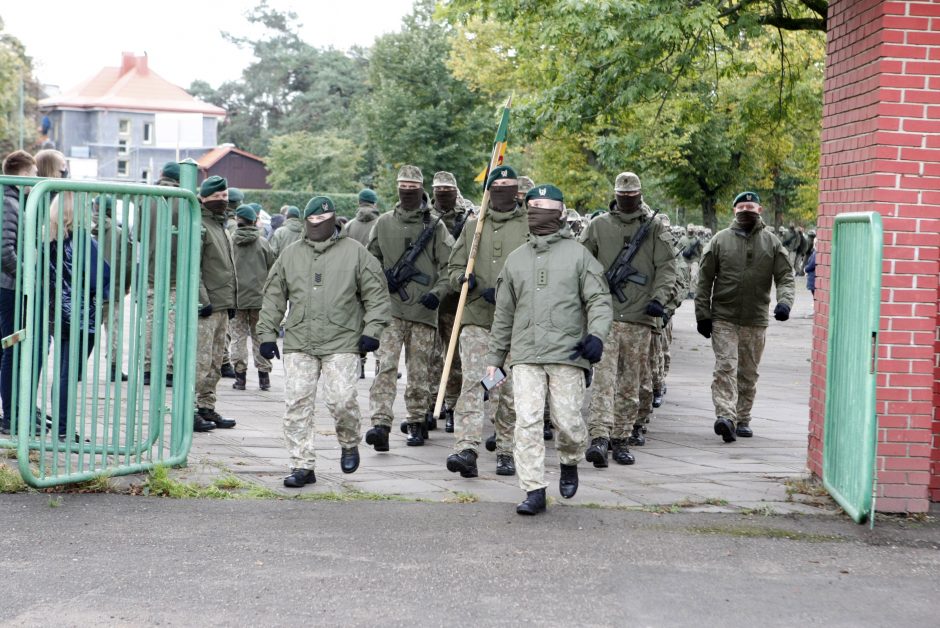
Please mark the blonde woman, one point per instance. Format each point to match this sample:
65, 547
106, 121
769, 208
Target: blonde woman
52, 164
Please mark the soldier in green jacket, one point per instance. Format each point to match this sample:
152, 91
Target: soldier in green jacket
414, 313
216, 302
615, 405
253, 259
110, 237
553, 310
504, 230
732, 300
359, 227
291, 231
339, 305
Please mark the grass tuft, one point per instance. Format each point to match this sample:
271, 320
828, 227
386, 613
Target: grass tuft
10, 480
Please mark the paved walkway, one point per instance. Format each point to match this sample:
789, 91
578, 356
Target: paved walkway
683, 463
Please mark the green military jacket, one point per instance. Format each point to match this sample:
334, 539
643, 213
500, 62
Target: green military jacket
394, 231
605, 237
550, 294
503, 232
336, 292
253, 260
109, 237
291, 231
173, 225
451, 220
217, 268
736, 273
359, 227
692, 245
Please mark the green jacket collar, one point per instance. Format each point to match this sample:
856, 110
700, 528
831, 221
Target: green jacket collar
543, 243
321, 247
741, 231
506, 216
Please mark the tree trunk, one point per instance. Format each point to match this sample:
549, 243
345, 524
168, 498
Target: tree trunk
708, 212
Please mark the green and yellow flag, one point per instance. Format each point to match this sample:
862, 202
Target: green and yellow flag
499, 144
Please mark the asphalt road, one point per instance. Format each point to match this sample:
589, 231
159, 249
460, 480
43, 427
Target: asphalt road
103, 560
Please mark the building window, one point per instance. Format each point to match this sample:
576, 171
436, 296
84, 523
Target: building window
145, 176
122, 147
148, 133
124, 126
122, 167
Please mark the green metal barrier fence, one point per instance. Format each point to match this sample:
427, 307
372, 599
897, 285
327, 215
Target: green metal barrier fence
93, 258
851, 427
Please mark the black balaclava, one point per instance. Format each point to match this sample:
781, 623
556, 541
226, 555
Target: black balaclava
322, 231
544, 221
445, 200
628, 204
503, 197
410, 199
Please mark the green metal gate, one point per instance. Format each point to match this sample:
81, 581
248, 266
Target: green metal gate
851, 426
93, 259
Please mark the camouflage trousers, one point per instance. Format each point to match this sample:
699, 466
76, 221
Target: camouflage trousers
469, 414
445, 324
170, 329
243, 330
655, 378
113, 326
210, 345
624, 366
666, 340
419, 341
565, 384
738, 350
693, 277
340, 373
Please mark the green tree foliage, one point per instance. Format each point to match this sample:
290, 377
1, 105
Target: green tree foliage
16, 66
308, 162
418, 113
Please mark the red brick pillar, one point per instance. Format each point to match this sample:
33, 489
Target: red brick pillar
881, 152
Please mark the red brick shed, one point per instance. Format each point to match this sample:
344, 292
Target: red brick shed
881, 152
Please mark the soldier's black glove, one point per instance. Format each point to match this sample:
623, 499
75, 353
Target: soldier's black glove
782, 312
655, 309
489, 295
705, 327
205, 310
367, 344
231, 314
471, 281
590, 348
430, 301
269, 350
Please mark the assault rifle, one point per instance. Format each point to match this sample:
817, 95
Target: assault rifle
404, 270
458, 225
622, 270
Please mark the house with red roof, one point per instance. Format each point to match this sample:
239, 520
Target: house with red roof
125, 122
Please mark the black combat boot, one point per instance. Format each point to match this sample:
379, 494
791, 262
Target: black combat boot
117, 374
362, 367
547, 430
490, 443
448, 420
658, 397
464, 463
239, 383
505, 465
349, 460
300, 477
417, 432
201, 424
264, 380
227, 370
568, 483
621, 454
597, 452
404, 426
146, 378
636, 436
534, 503
725, 428
209, 414
377, 436
743, 431
430, 421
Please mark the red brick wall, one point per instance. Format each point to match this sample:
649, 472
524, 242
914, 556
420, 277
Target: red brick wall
881, 152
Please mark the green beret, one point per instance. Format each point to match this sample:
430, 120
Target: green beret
293, 212
502, 172
746, 197
104, 203
171, 170
319, 205
247, 212
212, 185
235, 196
544, 190
255, 206
368, 196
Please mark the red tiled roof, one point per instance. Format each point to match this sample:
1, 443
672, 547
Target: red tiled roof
213, 156
133, 87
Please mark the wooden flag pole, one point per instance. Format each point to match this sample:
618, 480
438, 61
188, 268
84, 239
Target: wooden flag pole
465, 286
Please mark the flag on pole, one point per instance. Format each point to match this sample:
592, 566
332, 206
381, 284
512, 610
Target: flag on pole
500, 143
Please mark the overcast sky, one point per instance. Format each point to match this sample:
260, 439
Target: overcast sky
70, 41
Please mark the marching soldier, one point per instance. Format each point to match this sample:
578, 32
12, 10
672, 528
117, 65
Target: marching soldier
413, 250
504, 230
553, 312
615, 404
359, 227
339, 306
290, 232
525, 184
731, 303
216, 302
